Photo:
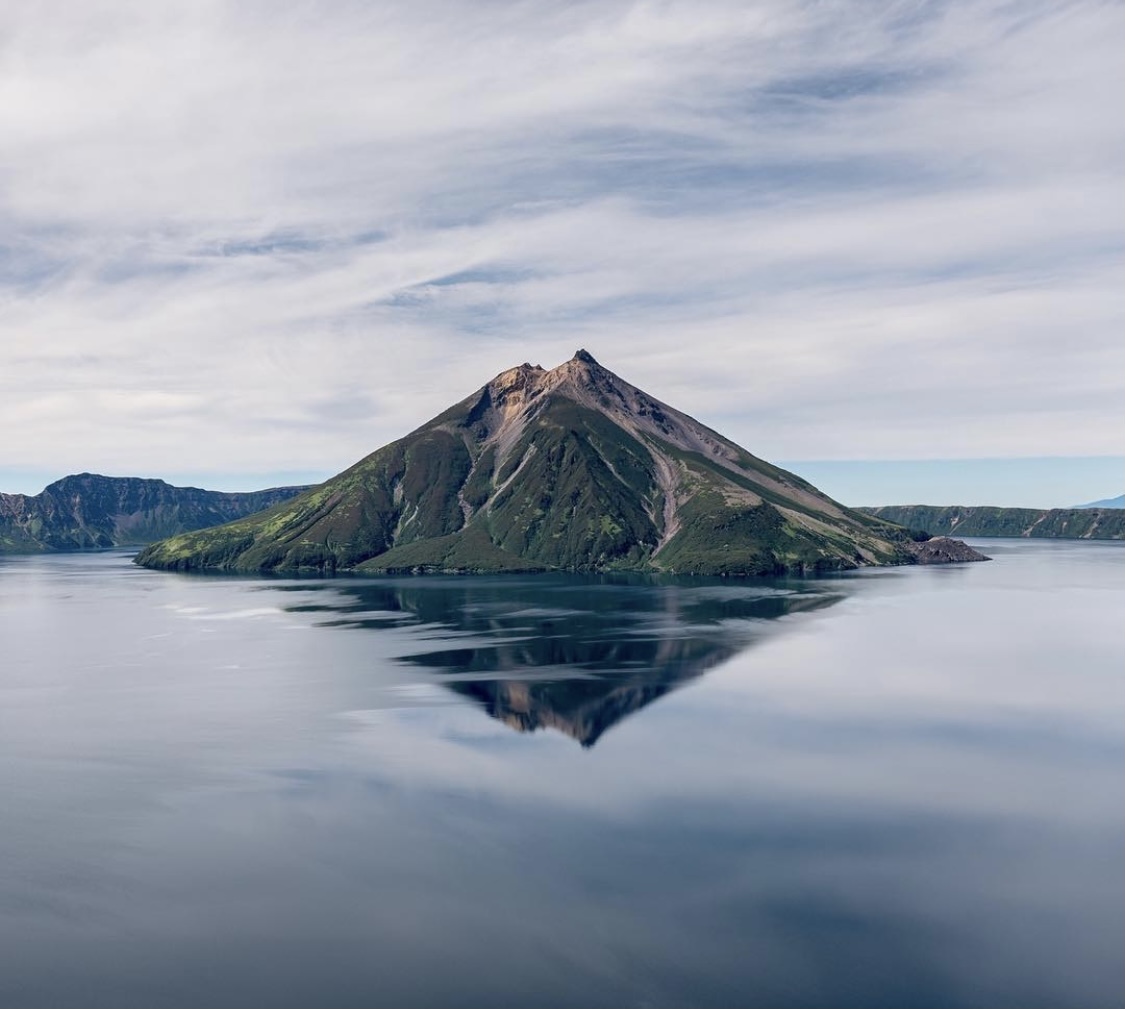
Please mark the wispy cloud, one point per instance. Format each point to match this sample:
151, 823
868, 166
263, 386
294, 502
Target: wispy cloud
274, 236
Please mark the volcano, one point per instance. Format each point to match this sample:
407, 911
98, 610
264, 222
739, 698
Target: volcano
568, 469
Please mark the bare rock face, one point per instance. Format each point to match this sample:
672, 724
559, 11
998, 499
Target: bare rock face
943, 550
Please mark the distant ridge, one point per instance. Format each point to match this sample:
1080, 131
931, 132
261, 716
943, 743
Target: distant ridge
1109, 502
567, 469
87, 511
981, 520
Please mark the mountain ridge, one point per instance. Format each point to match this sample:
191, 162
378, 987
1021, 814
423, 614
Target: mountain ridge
86, 511
572, 468
1109, 502
989, 521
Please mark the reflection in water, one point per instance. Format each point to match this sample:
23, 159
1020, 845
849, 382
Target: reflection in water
573, 655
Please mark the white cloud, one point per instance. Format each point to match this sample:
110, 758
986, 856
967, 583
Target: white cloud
244, 237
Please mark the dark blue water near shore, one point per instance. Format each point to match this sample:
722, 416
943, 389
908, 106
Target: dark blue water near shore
901, 787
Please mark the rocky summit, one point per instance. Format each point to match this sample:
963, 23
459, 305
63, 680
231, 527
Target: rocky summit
568, 469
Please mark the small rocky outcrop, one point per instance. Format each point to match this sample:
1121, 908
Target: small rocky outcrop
943, 550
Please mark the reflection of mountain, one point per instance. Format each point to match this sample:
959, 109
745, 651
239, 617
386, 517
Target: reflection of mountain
574, 654
584, 707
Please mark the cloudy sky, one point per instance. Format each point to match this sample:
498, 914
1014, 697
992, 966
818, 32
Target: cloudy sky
244, 243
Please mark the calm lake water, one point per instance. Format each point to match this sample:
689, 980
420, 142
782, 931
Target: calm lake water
899, 788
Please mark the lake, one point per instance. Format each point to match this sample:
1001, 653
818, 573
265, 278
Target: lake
895, 787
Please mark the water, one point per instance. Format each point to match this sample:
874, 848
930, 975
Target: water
902, 787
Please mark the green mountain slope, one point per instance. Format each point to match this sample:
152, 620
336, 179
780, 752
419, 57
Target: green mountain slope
571, 469
88, 511
1052, 523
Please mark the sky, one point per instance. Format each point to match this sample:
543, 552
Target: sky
246, 243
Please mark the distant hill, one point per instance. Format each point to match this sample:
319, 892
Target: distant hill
1053, 523
1109, 502
87, 511
571, 469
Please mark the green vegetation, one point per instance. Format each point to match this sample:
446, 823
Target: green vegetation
579, 500
749, 540
470, 553
479, 485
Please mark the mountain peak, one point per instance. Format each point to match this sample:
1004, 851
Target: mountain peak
526, 383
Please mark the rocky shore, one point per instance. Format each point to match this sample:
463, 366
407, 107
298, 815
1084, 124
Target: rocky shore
943, 550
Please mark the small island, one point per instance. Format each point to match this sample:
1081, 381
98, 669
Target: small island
568, 469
